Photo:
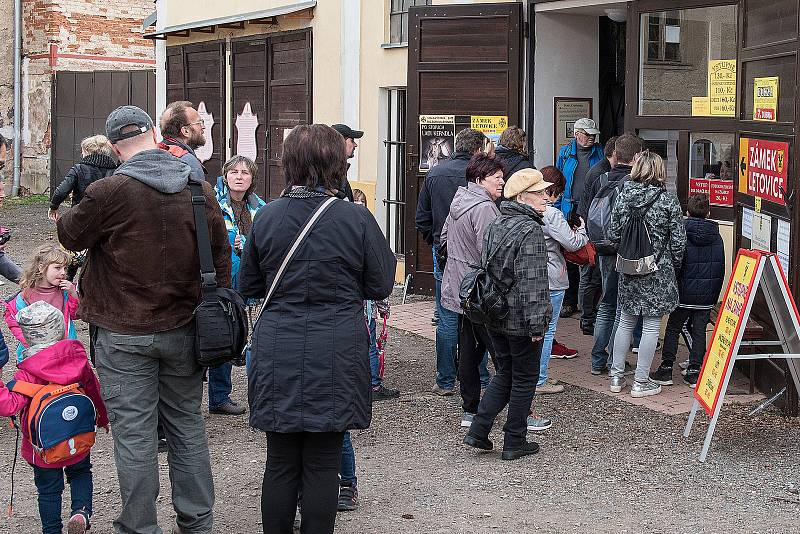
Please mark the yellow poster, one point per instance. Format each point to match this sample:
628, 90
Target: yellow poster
701, 106
722, 87
491, 125
744, 145
729, 321
765, 99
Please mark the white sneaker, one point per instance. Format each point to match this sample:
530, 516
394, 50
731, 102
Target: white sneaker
466, 419
645, 389
617, 384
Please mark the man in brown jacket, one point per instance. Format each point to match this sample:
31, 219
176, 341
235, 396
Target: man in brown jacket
140, 287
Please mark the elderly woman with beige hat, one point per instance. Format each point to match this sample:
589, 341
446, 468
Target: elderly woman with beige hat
517, 260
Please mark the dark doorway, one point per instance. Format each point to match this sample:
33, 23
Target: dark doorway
81, 104
612, 78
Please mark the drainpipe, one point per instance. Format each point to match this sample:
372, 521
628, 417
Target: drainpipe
17, 95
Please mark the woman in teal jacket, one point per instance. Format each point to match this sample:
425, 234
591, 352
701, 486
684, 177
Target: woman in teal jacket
239, 205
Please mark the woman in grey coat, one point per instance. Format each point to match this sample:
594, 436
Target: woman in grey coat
471, 211
653, 295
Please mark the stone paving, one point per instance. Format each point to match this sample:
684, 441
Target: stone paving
673, 400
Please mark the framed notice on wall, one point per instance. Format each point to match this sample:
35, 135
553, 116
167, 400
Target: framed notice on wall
566, 111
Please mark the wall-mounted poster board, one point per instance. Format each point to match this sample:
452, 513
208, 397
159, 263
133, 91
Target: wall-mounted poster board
566, 111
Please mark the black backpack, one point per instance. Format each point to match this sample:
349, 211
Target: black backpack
635, 255
481, 295
599, 217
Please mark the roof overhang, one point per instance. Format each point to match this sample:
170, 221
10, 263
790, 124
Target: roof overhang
265, 16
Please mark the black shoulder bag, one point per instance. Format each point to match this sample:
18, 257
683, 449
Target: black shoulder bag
220, 318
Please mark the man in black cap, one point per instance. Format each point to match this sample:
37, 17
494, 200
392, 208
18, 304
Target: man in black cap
140, 287
350, 144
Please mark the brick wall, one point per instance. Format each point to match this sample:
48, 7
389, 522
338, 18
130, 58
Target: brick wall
93, 35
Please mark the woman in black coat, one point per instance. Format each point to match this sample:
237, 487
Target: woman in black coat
309, 377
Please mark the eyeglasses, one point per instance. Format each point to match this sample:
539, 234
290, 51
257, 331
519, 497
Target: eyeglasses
201, 122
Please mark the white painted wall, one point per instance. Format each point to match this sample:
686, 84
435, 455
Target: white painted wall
567, 64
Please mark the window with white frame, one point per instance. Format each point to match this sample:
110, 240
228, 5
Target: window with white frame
398, 18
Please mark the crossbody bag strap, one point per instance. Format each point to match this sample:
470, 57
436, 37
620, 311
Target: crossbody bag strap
208, 273
290, 254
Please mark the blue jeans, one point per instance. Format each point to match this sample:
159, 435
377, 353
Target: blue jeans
219, 385
50, 484
607, 319
347, 469
446, 336
556, 299
374, 360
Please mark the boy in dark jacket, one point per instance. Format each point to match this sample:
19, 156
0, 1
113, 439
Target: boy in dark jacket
699, 284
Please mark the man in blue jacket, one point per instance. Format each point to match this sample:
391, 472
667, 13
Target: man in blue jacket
575, 160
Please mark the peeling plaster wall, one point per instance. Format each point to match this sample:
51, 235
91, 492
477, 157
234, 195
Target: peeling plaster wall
83, 27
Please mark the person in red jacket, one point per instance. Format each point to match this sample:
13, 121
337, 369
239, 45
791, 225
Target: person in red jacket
49, 358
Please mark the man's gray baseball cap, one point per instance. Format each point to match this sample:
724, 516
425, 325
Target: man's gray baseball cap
127, 116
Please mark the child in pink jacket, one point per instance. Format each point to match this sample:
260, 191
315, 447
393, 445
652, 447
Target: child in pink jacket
49, 358
44, 278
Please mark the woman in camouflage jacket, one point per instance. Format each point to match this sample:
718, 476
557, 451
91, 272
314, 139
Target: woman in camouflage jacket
649, 296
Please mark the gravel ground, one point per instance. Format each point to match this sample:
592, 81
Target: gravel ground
605, 466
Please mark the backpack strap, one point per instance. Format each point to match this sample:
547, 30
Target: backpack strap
604, 179
24, 388
208, 273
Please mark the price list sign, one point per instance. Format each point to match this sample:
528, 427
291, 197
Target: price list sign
730, 321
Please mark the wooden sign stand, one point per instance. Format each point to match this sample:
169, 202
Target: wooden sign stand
751, 271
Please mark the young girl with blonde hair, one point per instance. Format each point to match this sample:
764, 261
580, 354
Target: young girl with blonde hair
44, 277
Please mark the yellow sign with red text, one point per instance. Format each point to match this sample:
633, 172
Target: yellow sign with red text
730, 320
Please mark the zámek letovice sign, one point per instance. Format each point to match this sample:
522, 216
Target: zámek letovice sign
763, 168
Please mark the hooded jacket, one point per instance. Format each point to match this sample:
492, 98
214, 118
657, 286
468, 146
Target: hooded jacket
567, 162
703, 271
653, 294
82, 175
142, 273
63, 363
470, 213
559, 234
437, 194
517, 257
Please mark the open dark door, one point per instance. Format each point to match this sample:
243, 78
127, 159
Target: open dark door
196, 72
462, 60
271, 93
288, 98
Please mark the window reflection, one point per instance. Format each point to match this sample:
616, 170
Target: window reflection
676, 47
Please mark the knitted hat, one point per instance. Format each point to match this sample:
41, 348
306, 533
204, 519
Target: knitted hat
42, 325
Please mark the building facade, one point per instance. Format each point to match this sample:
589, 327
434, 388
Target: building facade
701, 81
79, 57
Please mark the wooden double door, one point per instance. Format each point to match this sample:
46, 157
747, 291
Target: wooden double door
270, 93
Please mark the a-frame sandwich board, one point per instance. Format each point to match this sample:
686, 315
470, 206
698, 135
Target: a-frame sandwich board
753, 270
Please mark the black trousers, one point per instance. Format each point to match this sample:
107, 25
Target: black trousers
589, 292
514, 384
307, 460
473, 342
571, 294
697, 327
